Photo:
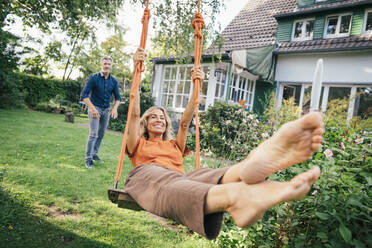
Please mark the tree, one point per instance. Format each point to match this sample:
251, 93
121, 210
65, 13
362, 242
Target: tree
89, 62
76, 19
36, 65
172, 22
47, 14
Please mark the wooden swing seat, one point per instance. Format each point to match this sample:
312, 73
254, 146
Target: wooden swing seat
123, 199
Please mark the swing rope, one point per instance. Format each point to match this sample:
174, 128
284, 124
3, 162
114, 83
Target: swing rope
140, 67
197, 24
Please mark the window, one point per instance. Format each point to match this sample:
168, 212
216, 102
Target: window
368, 22
358, 99
220, 75
242, 89
303, 30
319, 1
338, 25
178, 87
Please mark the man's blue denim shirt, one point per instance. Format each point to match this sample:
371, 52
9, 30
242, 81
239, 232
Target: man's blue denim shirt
99, 90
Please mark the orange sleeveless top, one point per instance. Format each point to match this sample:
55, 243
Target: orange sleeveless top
160, 152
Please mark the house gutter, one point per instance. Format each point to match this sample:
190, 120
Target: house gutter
321, 8
207, 57
324, 50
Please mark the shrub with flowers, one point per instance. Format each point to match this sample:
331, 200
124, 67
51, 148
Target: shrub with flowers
230, 132
337, 210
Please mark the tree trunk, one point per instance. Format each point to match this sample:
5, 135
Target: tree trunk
69, 57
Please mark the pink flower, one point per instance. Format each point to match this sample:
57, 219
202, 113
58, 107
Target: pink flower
359, 141
328, 153
341, 145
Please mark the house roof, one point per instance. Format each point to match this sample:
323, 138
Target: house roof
323, 7
254, 26
326, 45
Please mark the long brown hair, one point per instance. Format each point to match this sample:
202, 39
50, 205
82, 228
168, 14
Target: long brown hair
167, 135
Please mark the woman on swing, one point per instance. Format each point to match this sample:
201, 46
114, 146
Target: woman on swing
198, 199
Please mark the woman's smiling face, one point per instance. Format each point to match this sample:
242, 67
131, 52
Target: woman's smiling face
156, 123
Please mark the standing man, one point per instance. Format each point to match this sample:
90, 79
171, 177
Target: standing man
96, 95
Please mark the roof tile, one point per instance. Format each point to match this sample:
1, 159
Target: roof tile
255, 25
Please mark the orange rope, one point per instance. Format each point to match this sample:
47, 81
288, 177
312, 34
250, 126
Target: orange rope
140, 67
197, 24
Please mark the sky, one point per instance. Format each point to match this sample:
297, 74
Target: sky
130, 16
132, 19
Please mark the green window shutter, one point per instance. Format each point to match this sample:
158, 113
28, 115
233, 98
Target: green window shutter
305, 3
357, 22
319, 27
284, 31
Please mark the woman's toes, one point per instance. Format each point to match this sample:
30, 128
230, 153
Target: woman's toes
318, 131
315, 146
316, 173
317, 139
310, 121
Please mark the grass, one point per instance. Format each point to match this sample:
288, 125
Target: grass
49, 199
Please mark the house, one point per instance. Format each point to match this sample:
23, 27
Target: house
272, 46
339, 32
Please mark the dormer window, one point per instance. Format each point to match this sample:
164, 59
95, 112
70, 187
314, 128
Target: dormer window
338, 25
303, 30
367, 24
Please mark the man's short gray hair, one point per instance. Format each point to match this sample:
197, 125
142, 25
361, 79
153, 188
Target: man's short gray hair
107, 58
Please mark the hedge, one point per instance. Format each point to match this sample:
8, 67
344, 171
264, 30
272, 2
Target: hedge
19, 89
42, 90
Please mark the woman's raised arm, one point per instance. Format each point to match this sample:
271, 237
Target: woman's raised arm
187, 115
134, 123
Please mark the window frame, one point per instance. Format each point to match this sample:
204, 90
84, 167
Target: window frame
221, 84
364, 31
338, 26
303, 29
177, 80
248, 92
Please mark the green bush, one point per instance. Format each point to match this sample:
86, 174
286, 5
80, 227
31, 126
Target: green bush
44, 107
12, 95
118, 124
230, 132
288, 111
18, 90
42, 90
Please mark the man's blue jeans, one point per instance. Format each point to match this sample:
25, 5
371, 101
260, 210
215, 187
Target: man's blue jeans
97, 131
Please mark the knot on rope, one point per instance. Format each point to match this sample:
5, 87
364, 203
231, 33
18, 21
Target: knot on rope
198, 24
141, 67
146, 15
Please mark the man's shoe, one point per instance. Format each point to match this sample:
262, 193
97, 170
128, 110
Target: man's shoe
89, 164
97, 159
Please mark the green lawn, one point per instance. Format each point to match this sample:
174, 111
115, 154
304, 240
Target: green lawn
49, 199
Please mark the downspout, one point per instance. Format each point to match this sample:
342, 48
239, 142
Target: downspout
228, 83
153, 77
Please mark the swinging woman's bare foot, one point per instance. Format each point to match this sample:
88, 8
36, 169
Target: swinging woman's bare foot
294, 143
248, 203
